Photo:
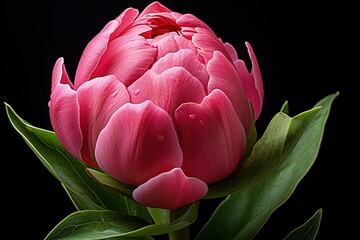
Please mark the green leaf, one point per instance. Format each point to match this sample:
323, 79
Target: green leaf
308, 230
84, 191
95, 224
79, 202
285, 108
159, 215
269, 153
103, 224
246, 211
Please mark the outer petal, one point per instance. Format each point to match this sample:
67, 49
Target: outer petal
170, 190
64, 110
224, 76
138, 143
59, 75
98, 100
211, 136
252, 82
168, 90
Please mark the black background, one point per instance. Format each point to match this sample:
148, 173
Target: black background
305, 51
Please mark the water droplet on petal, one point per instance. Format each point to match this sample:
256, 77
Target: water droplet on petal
201, 122
192, 116
160, 137
115, 93
137, 91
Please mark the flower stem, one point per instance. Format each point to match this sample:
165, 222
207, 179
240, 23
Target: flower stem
182, 234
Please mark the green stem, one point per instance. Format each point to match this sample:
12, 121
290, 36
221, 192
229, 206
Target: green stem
182, 234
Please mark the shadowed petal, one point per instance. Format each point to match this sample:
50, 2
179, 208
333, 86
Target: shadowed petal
138, 143
170, 190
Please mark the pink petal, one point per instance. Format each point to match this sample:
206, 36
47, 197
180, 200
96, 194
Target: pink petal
167, 90
138, 143
170, 190
98, 99
212, 137
128, 60
185, 43
252, 82
93, 52
125, 19
225, 77
189, 20
155, 7
165, 44
59, 75
98, 45
231, 51
64, 110
184, 58
208, 42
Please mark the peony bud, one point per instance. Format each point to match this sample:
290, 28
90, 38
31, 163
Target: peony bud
158, 102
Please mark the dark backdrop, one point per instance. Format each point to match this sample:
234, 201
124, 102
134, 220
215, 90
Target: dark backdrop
305, 52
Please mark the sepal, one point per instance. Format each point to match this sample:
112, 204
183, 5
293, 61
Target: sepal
112, 183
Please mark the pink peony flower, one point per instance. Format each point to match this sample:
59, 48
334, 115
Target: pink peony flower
158, 102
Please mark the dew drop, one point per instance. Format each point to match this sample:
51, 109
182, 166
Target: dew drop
160, 137
114, 93
201, 122
192, 116
137, 91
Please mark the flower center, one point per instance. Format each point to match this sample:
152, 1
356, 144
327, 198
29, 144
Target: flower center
160, 25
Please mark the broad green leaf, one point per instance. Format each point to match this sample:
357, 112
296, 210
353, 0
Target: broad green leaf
83, 190
272, 149
103, 224
308, 230
95, 224
246, 211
